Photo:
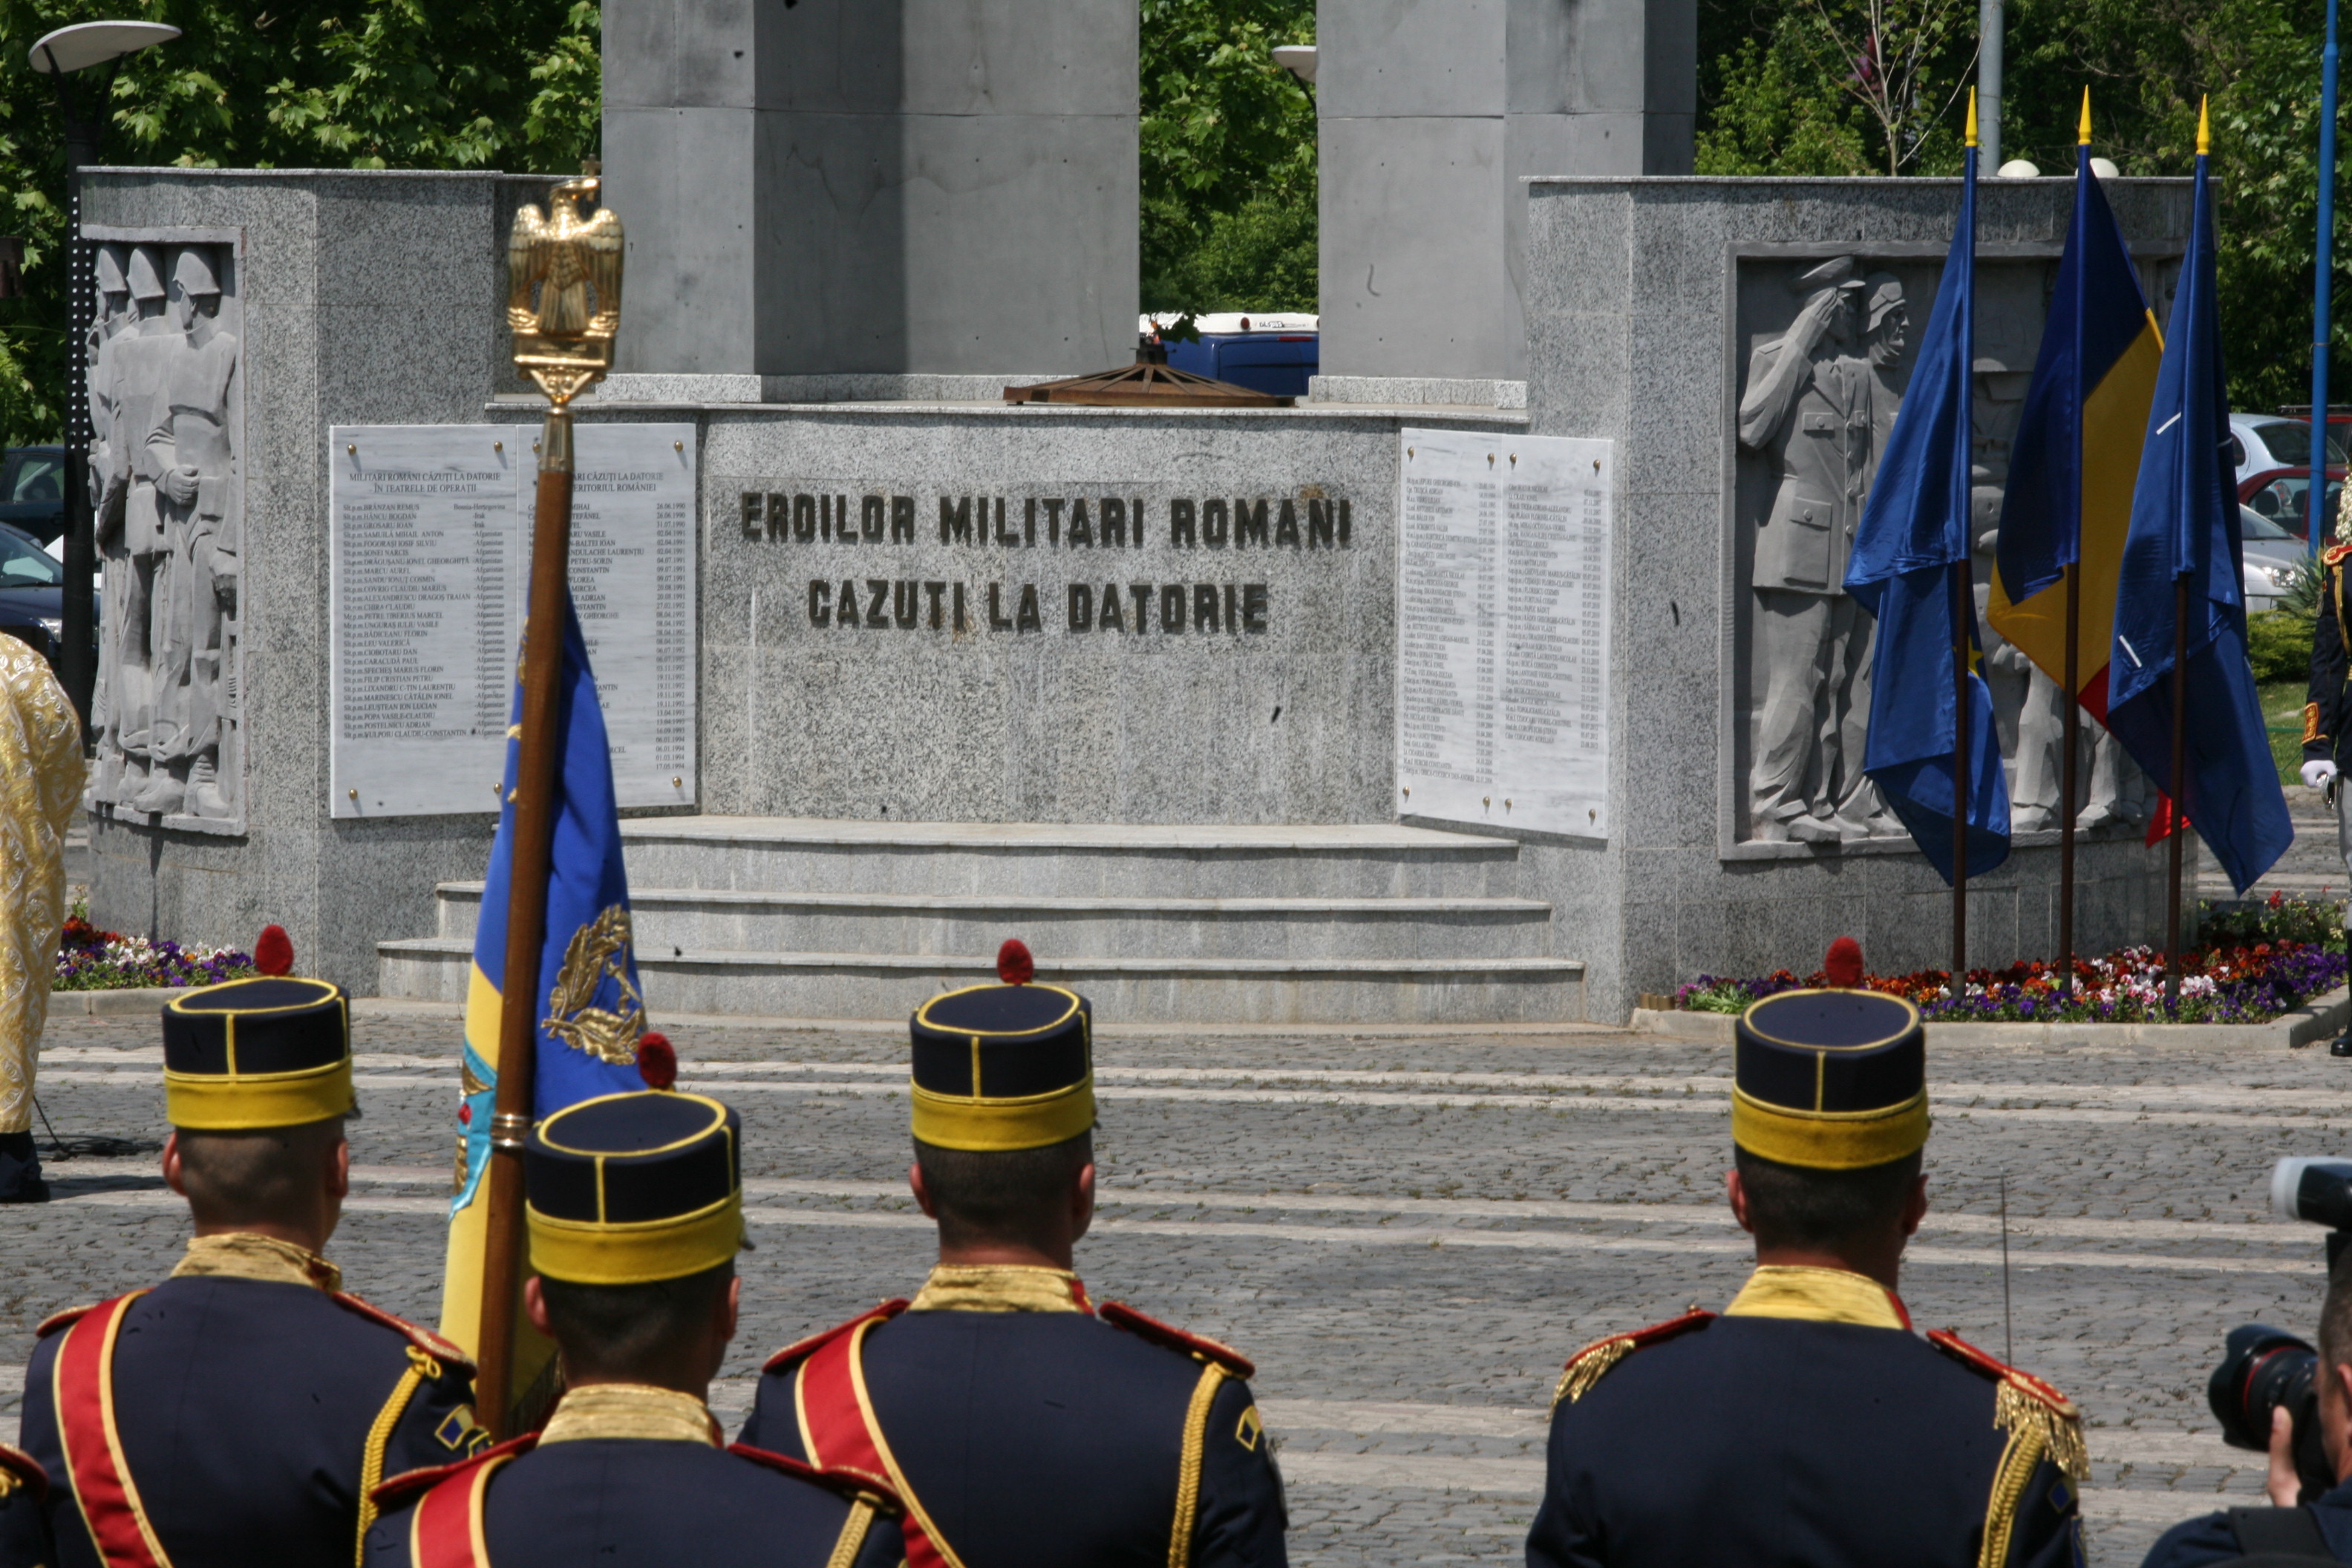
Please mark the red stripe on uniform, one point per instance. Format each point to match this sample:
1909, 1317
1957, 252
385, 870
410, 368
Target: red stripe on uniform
102, 1485
837, 1427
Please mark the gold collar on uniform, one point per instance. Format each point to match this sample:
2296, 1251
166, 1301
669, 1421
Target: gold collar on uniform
1817, 1295
630, 1410
242, 1255
1000, 1287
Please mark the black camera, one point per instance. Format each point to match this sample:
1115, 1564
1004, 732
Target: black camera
2265, 1369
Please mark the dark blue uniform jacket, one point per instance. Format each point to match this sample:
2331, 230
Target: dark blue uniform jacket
2211, 1539
245, 1409
1755, 1441
1053, 1440
646, 1504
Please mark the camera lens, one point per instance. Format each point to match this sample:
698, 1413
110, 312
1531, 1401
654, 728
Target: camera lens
2319, 1191
2265, 1368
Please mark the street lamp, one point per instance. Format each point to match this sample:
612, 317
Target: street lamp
59, 55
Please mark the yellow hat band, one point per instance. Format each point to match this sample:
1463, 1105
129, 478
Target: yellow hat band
1829, 1140
640, 1252
245, 1102
992, 1126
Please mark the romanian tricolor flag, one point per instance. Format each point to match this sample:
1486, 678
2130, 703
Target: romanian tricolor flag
593, 1013
2078, 448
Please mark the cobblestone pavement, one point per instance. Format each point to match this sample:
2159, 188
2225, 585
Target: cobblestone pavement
1408, 1235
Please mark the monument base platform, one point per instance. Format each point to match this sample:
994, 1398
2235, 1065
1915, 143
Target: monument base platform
815, 918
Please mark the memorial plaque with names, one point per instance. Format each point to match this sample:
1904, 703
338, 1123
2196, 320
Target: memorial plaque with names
1502, 615
428, 543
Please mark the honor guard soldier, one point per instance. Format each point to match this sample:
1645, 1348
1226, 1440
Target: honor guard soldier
1023, 1425
23, 1524
242, 1409
635, 1205
2328, 711
1808, 1423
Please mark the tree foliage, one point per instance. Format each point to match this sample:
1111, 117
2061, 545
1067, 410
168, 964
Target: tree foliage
1775, 100
339, 84
1228, 151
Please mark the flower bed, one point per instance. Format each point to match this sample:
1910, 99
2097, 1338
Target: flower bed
89, 958
2261, 961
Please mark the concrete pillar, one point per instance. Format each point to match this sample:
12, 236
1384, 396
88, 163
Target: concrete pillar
832, 188
1432, 112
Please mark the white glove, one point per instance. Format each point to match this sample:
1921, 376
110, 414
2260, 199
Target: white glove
2315, 774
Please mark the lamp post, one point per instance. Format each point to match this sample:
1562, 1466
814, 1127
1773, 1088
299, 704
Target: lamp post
59, 55
2316, 492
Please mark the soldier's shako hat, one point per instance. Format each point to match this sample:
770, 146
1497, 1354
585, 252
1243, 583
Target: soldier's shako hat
1003, 1067
274, 1051
628, 1189
1834, 1081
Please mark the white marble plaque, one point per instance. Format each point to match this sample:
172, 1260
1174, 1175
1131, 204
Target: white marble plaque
1503, 605
430, 541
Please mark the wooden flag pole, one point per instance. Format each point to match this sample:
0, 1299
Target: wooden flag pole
1963, 601
2180, 792
2074, 735
563, 341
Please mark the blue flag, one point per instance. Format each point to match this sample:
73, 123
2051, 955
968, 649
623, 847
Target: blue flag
590, 1009
2184, 524
1907, 552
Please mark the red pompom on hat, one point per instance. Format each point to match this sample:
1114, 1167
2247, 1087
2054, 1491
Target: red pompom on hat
1014, 964
273, 951
1843, 964
656, 1061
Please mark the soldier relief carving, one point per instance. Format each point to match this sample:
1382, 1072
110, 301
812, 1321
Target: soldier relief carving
166, 415
1826, 345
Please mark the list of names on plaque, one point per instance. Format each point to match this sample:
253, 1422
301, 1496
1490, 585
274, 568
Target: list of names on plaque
1503, 615
429, 544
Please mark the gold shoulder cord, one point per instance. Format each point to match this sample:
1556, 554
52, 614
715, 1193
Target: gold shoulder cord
1188, 1474
2036, 1433
379, 1438
853, 1534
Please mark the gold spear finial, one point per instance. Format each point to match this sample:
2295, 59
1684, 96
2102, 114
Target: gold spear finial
564, 336
2082, 131
2204, 127
1972, 117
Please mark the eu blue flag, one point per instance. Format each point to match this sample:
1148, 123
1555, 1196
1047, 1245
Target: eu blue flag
593, 1012
1912, 542
2184, 526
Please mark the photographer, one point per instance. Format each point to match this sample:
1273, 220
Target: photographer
2317, 1527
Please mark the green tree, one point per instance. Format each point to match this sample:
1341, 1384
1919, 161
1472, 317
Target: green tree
383, 84
1228, 157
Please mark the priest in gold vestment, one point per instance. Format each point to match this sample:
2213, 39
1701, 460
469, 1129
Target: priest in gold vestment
41, 787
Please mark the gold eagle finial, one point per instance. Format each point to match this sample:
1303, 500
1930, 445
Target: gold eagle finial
564, 299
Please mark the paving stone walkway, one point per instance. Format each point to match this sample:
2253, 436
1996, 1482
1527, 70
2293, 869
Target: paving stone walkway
1409, 1236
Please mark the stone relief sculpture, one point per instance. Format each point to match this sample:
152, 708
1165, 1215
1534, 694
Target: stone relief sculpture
1815, 408
166, 406
1819, 402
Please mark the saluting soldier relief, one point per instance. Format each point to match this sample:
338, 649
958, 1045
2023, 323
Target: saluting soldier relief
1809, 1422
1024, 1424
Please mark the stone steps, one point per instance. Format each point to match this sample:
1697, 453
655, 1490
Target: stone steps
1296, 929
816, 918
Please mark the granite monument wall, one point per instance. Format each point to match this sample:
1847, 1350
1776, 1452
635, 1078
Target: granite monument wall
350, 297
1658, 310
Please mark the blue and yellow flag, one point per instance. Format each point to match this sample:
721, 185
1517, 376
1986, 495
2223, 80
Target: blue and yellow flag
1913, 538
2184, 525
593, 1012
2078, 448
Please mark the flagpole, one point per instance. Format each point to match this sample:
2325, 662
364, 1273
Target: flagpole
564, 357
2180, 792
2323, 285
2074, 734
1963, 597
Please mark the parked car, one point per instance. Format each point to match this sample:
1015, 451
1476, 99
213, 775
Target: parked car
2272, 556
32, 592
1269, 354
2279, 494
32, 491
2259, 442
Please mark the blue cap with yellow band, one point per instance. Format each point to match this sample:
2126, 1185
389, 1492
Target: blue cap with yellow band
629, 1189
999, 1067
273, 1051
1831, 1081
